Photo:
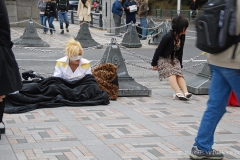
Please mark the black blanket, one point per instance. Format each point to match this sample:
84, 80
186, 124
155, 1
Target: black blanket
56, 92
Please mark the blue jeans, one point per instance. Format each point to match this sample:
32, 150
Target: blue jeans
50, 22
224, 80
63, 16
43, 20
143, 23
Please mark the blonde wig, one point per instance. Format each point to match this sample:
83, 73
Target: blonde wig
73, 48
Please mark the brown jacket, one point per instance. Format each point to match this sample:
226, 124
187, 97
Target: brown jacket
224, 59
143, 8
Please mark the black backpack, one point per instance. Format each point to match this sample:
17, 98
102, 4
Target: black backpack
216, 26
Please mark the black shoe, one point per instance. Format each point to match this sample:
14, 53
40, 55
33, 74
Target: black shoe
2, 130
188, 95
198, 154
62, 32
67, 29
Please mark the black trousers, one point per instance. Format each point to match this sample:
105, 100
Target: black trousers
2, 106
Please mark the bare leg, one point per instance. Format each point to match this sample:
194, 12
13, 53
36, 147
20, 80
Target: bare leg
174, 84
182, 84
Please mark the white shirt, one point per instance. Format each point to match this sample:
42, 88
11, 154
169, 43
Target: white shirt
63, 70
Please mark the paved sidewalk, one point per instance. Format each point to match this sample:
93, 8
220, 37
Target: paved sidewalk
131, 128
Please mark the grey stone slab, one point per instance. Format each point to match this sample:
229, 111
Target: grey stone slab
123, 130
140, 100
79, 130
69, 139
10, 121
130, 103
186, 122
116, 125
226, 142
103, 152
179, 142
136, 158
153, 116
44, 134
22, 140
55, 120
108, 136
145, 146
95, 110
194, 126
36, 129
155, 153
86, 118
117, 150
165, 112
185, 133
30, 116
44, 144
61, 157
150, 135
228, 156
159, 109
229, 127
62, 115
57, 151
134, 140
236, 147
7, 155
33, 125
147, 123
101, 114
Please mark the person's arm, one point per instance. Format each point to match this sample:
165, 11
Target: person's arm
144, 8
162, 45
57, 5
67, 5
89, 8
58, 71
5, 38
118, 6
54, 10
38, 5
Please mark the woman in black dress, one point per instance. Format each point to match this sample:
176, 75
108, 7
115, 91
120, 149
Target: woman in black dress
10, 79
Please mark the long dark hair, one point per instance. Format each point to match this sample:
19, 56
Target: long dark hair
84, 3
179, 25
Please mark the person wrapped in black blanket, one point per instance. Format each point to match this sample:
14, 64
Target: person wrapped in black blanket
56, 92
72, 84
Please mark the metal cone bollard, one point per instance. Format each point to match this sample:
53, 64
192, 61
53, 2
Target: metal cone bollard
131, 39
127, 85
150, 26
85, 38
156, 36
30, 37
201, 82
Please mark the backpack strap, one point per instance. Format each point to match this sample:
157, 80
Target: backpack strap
237, 40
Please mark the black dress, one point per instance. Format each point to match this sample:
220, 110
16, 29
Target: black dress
10, 79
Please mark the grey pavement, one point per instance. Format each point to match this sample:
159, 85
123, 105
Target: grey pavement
130, 128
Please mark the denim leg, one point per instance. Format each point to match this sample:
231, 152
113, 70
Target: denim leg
65, 17
50, 22
143, 22
45, 23
60, 15
41, 19
223, 81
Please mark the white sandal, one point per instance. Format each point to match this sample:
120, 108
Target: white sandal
180, 96
188, 95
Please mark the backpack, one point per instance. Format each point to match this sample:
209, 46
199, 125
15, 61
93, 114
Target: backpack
216, 26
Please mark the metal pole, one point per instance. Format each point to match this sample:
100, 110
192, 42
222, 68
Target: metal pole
178, 7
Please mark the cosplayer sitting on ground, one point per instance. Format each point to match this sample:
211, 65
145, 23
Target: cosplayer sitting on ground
72, 66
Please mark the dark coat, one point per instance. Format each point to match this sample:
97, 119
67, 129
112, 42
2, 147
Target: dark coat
127, 4
165, 48
193, 6
62, 5
50, 10
10, 79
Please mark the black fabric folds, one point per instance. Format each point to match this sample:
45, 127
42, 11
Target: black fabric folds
56, 92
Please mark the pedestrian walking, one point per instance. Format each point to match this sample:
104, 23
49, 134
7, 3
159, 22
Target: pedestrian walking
117, 11
43, 18
167, 58
84, 11
130, 8
225, 78
142, 14
10, 79
62, 8
193, 7
50, 12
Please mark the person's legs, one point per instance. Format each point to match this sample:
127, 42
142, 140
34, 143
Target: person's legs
223, 81
173, 83
182, 84
60, 15
117, 21
45, 24
2, 106
65, 17
51, 26
143, 22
